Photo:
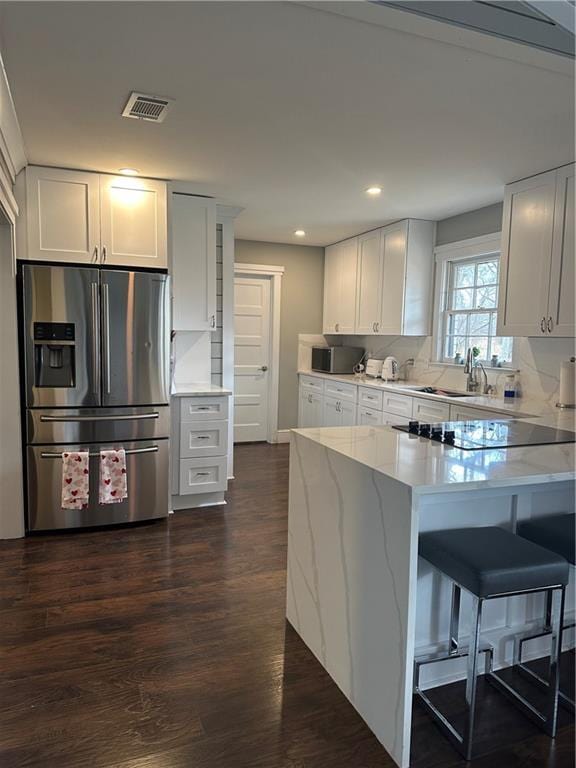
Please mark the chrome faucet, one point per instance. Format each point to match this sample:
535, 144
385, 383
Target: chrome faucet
471, 369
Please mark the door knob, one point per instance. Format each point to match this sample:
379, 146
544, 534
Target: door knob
264, 368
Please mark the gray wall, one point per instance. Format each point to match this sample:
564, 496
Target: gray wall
482, 221
302, 296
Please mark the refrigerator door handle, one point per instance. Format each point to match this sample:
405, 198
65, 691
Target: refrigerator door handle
121, 417
129, 451
106, 337
95, 360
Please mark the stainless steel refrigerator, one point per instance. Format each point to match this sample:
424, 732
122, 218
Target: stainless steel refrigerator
95, 349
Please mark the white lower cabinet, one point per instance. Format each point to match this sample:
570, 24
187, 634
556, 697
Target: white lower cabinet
203, 475
430, 412
389, 419
369, 416
462, 413
338, 413
203, 438
310, 409
199, 450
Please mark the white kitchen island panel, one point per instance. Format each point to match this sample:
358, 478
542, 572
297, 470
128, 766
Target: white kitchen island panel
357, 593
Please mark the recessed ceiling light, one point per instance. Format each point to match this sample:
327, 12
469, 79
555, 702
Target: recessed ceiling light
300, 233
374, 191
129, 171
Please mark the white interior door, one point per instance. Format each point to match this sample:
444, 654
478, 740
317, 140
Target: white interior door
252, 323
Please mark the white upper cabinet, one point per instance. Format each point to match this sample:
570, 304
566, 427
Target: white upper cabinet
391, 269
407, 270
61, 215
133, 225
536, 295
193, 268
81, 217
394, 247
562, 274
369, 298
331, 288
340, 287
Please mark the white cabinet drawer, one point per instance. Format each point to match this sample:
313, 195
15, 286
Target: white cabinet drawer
371, 398
400, 405
203, 438
340, 390
313, 383
429, 411
203, 408
369, 416
461, 413
393, 418
203, 475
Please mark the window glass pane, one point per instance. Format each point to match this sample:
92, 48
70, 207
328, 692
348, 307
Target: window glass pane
486, 298
502, 346
463, 298
457, 325
487, 273
455, 345
463, 275
482, 343
480, 324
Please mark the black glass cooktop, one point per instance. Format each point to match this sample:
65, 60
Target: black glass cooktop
483, 435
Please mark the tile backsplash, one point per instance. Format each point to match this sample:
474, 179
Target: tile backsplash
537, 360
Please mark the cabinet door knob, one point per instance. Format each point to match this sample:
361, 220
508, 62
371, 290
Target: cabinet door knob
377, 327
104, 254
543, 325
212, 321
264, 368
95, 257
550, 325
337, 327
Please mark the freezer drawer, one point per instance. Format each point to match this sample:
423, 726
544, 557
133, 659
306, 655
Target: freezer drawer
147, 476
93, 425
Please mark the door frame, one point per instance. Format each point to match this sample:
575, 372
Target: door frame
274, 274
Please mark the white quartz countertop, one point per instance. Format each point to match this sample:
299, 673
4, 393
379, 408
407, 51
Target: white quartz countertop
533, 410
198, 390
429, 467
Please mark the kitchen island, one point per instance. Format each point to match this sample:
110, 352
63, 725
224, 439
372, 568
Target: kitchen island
357, 593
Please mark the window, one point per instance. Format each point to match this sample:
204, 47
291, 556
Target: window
468, 318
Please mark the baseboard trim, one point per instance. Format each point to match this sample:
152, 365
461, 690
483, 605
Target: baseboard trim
283, 436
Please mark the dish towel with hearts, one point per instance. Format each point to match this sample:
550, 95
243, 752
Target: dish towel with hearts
75, 480
113, 485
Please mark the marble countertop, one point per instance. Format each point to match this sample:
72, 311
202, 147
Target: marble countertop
530, 410
429, 467
198, 390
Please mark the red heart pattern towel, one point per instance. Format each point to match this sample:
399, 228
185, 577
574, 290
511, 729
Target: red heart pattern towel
75, 480
113, 485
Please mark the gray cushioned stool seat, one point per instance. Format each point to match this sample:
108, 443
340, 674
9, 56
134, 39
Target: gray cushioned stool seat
555, 532
490, 561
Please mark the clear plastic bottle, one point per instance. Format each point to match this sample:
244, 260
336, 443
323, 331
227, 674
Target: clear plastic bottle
510, 387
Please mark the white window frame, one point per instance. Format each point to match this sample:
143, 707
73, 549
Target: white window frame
475, 248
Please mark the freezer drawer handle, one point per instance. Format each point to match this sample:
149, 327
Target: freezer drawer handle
122, 417
153, 449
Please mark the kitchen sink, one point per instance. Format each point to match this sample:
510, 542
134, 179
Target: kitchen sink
444, 392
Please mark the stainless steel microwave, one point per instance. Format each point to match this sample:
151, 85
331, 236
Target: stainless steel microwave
336, 359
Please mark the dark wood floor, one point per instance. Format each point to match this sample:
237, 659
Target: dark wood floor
165, 646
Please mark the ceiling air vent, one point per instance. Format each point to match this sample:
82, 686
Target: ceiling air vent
143, 107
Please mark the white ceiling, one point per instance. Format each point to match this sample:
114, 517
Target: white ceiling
290, 111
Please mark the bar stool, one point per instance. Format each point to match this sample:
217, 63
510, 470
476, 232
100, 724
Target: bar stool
489, 563
558, 534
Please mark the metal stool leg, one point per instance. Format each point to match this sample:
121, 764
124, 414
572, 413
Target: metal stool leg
462, 742
547, 719
534, 677
472, 676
